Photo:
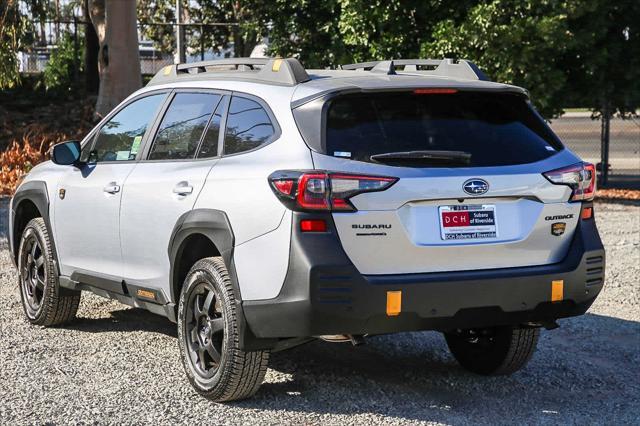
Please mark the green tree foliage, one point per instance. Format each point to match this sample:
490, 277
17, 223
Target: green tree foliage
375, 29
13, 30
513, 41
603, 64
308, 30
381, 29
158, 11
332, 32
566, 52
60, 73
248, 23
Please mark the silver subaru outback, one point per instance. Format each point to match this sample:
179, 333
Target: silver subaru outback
260, 205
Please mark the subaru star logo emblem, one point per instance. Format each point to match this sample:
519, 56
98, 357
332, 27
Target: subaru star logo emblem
475, 186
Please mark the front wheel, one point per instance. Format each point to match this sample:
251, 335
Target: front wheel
44, 301
209, 337
493, 351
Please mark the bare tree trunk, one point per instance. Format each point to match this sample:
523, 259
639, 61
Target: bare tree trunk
243, 41
119, 56
180, 56
43, 34
91, 49
57, 26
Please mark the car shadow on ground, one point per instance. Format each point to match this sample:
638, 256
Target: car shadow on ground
412, 377
126, 319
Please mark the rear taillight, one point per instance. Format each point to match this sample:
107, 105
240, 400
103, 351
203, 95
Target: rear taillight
324, 191
580, 177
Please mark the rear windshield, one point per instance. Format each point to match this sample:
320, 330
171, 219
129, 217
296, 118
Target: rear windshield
495, 128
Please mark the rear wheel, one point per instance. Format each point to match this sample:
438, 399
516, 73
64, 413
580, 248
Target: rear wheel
209, 337
44, 301
493, 351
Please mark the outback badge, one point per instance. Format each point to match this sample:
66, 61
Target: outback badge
558, 228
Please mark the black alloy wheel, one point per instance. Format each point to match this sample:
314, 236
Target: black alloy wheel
205, 329
33, 274
44, 301
209, 336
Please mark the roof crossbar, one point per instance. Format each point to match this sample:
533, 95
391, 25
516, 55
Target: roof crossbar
288, 72
443, 67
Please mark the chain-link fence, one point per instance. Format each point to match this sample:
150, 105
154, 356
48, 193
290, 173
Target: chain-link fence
583, 136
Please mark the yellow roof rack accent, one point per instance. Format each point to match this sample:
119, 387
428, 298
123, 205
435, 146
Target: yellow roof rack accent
279, 71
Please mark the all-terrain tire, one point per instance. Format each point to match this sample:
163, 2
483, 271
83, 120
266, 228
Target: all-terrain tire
208, 335
44, 302
493, 352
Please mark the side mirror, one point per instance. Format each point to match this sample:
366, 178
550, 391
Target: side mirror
66, 153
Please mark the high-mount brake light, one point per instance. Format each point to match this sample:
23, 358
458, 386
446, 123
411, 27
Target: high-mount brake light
580, 177
435, 91
322, 190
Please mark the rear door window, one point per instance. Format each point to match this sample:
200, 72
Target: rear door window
496, 129
183, 125
209, 146
248, 126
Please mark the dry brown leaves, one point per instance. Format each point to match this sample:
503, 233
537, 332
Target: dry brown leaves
618, 194
22, 155
28, 136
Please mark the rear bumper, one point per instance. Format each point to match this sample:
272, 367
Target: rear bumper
324, 293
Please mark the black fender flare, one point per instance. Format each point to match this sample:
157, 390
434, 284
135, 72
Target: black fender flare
36, 192
215, 225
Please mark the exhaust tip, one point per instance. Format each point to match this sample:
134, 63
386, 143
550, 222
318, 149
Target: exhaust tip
356, 340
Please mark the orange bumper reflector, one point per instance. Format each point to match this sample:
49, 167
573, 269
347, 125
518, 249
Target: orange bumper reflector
587, 213
394, 303
557, 290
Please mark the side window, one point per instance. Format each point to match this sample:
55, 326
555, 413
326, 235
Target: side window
248, 126
119, 138
182, 126
209, 146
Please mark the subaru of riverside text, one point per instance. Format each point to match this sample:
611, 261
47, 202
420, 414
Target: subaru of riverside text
260, 206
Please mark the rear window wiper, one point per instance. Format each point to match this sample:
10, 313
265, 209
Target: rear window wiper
420, 158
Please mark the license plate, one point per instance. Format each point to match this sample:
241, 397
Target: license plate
466, 222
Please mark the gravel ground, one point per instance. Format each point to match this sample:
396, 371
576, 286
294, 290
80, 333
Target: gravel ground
121, 365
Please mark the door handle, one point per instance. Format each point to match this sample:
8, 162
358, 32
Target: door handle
183, 188
112, 188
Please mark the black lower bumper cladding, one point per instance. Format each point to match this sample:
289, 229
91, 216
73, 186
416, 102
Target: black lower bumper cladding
325, 294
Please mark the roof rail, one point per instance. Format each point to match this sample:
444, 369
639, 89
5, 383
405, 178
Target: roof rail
288, 72
442, 67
